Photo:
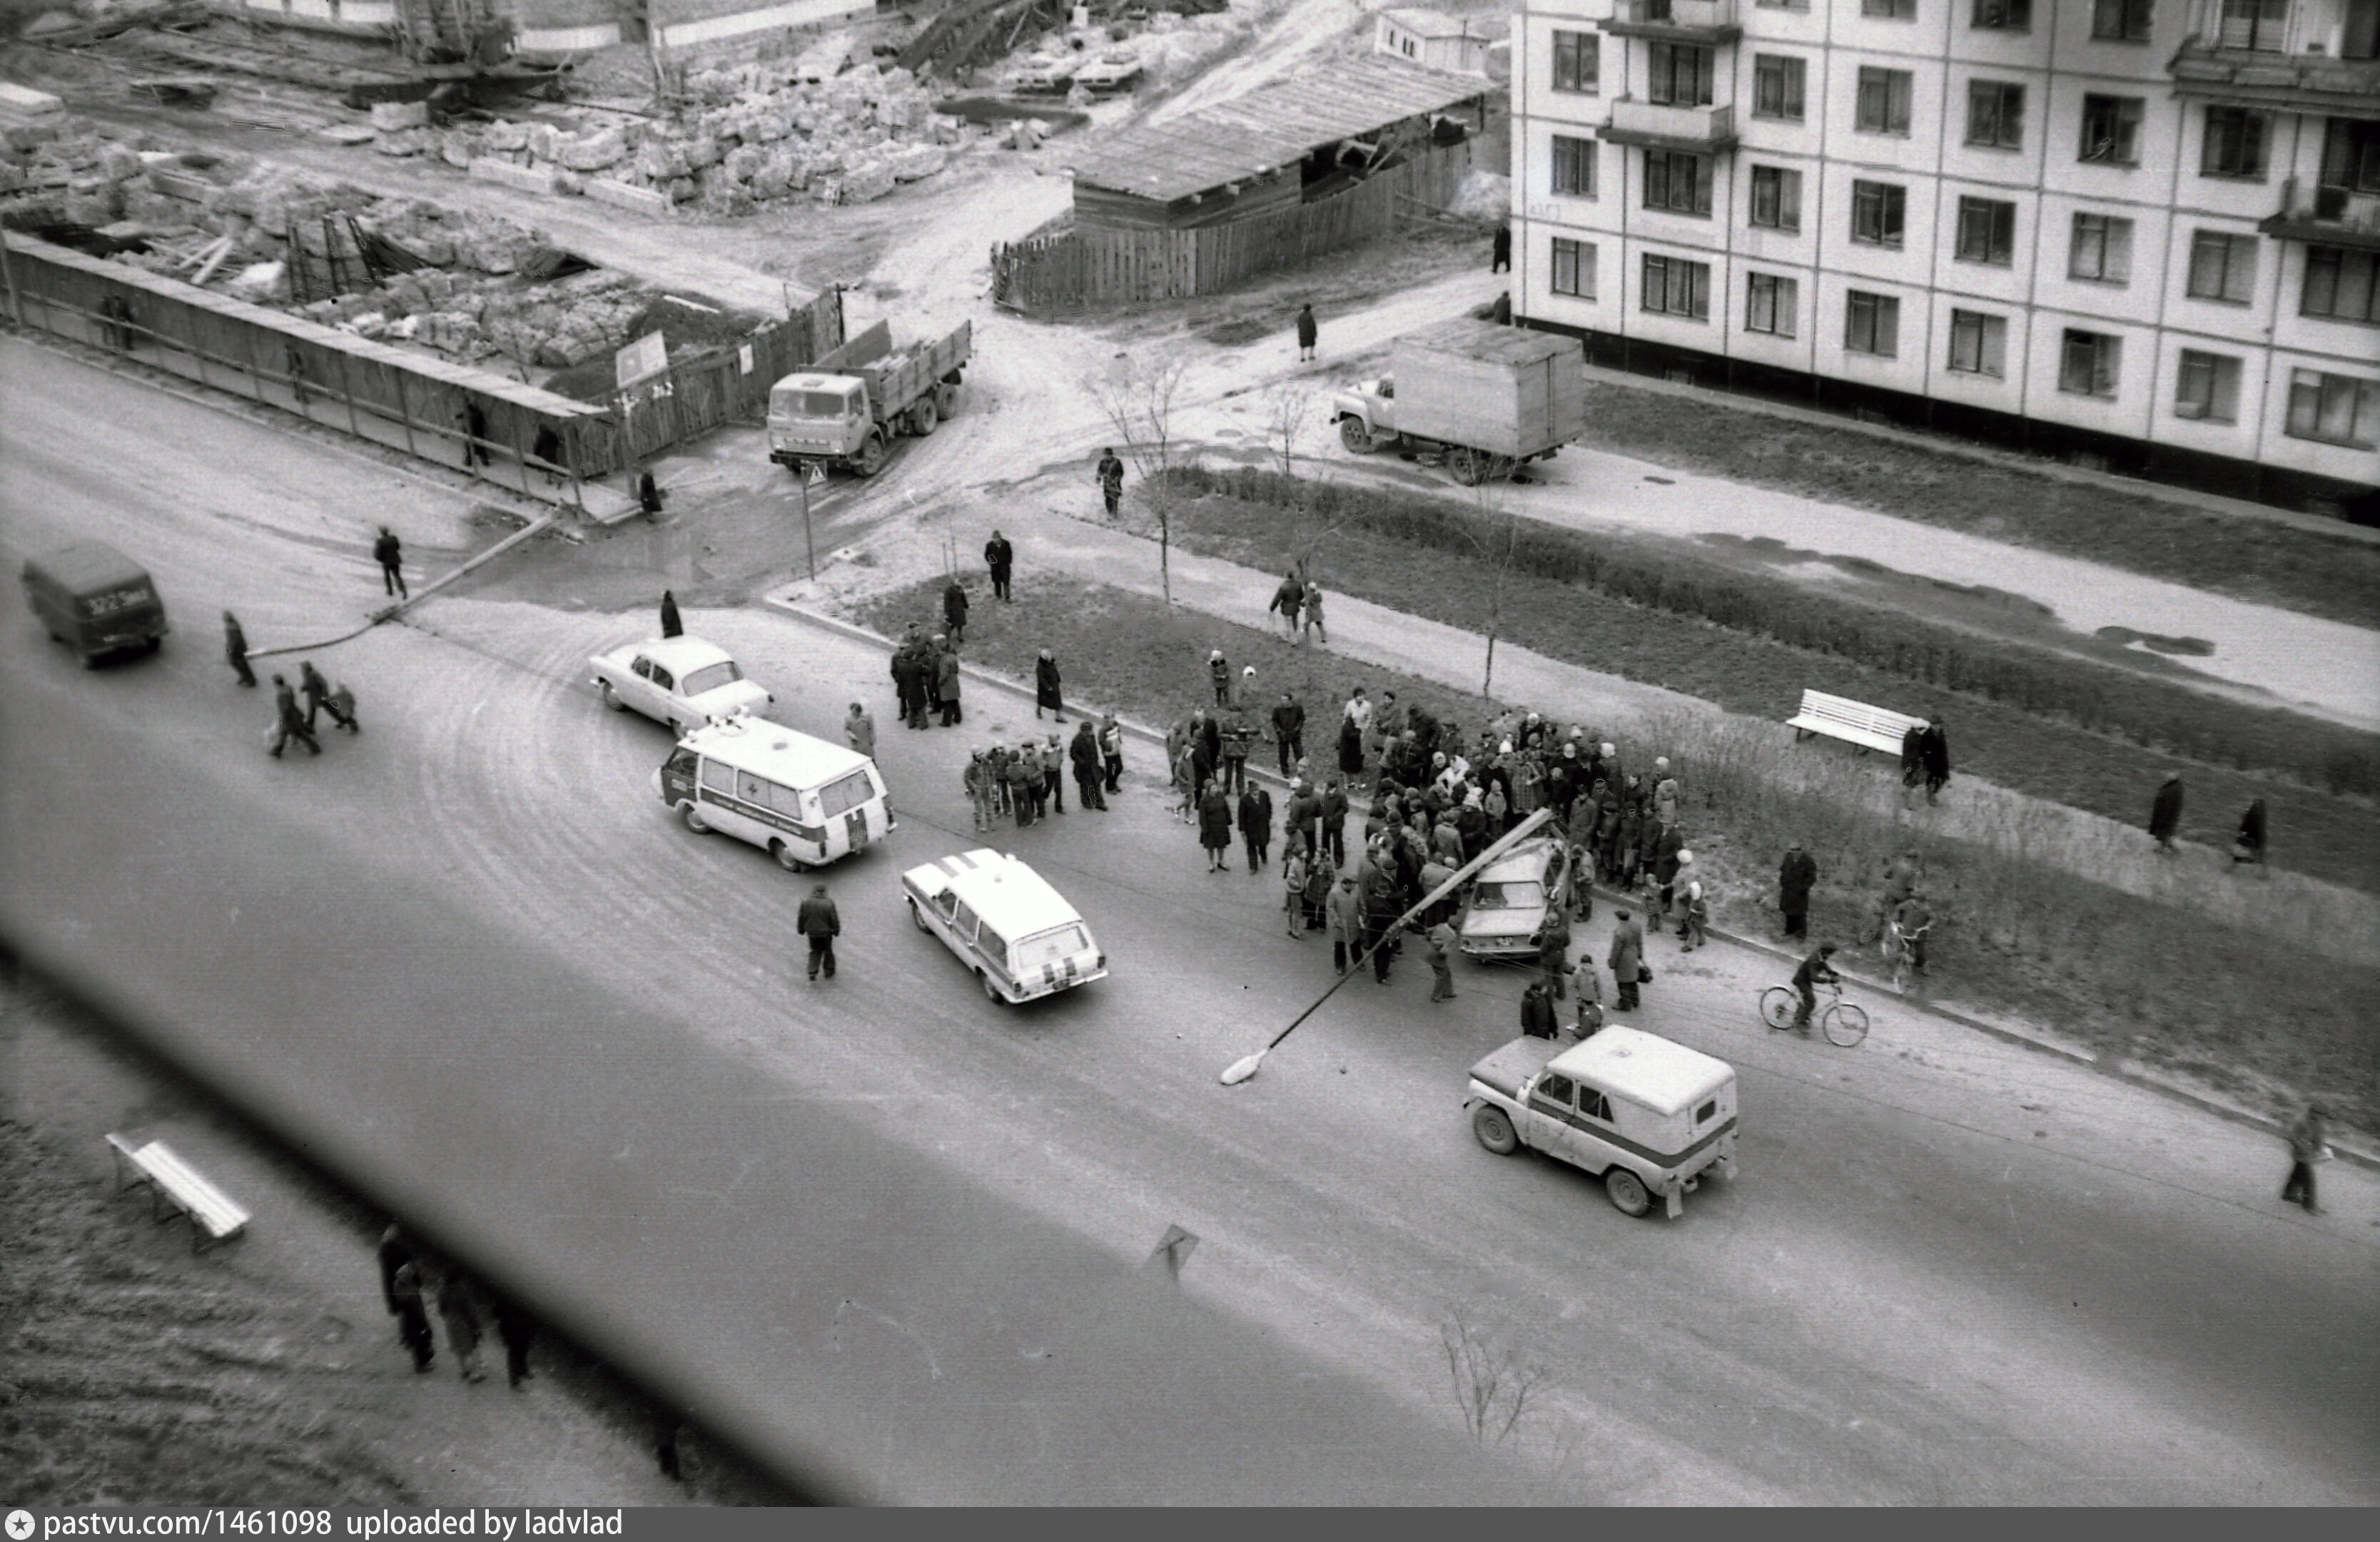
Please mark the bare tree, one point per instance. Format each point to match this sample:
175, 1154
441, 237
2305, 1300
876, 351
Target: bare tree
1138, 397
1494, 1384
1495, 535
1288, 411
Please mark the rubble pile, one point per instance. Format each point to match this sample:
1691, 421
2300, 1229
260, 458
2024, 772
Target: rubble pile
750, 136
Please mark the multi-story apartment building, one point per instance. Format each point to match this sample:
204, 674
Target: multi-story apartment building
2146, 232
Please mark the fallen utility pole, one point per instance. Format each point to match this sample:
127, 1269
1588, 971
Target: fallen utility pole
1241, 1069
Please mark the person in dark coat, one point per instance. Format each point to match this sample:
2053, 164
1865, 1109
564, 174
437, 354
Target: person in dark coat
1553, 955
1089, 772
1287, 601
1796, 876
1000, 558
236, 650
462, 1320
1045, 687
1218, 674
1111, 479
1382, 905
341, 705
1334, 821
671, 625
475, 434
1817, 970
2249, 845
1500, 312
518, 1331
1351, 747
1308, 332
1499, 259
946, 685
1934, 753
818, 921
1626, 959
1018, 775
954, 611
907, 688
314, 689
1913, 755
649, 494
546, 449
394, 1251
2309, 1144
1289, 732
2165, 815
412, 1317
288, 721
389, 553
1255, 824
1537, 1012
1215, 826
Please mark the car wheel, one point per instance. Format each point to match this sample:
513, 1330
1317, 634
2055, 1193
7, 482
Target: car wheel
1627, 1192
918, 918
785, 857
611, 697
692, 814
156, 644
1494, 1128
1357, 435
991, 989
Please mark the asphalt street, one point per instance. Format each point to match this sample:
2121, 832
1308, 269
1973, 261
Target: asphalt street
1949, 1272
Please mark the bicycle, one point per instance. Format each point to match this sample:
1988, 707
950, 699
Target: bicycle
1843, 1023
1900, 952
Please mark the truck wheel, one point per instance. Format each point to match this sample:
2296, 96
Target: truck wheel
870, 458
1495, 1130
1357, 435
946, 401
1627, 1192
1470, 467
925, 418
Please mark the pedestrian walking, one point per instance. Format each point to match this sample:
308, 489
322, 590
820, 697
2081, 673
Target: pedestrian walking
1090, 774
1112, 751
649, 494
1537, 1012
236, 650
341, 705
1286, 602
1626, 959
1441, 962
1693, 905
947, 683
671, 625
1111, 479
2249, 844
1344, 910
818, 921
1045, 687
1219, 675
314, 689
395, 1250
1289, 732
1934, 758
288, 721
859, 731
462, 1320
475, 433
2309, 1144
2165, 815
518, 1331
1314, 631
412, 1317
1500, 260
1255, 824
389, 553
1796, 876
954, 611
999, 558
1307, 332
1586, 992
1293, 887
1215, 826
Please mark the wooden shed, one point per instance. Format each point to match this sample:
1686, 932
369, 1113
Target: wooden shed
1275, 148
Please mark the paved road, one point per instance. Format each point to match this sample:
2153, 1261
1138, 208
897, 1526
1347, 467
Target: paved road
471, 946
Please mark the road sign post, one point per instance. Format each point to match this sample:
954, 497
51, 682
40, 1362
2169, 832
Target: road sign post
814, 471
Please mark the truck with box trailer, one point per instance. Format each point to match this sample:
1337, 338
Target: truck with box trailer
845, 409
1480, 399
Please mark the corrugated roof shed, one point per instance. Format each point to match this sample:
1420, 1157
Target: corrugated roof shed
1272, 125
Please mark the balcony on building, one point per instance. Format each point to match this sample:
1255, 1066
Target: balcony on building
1710, 21
1699, 130
2285, 56
2325, 217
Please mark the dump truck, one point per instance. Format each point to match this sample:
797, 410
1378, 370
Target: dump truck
845, 409
1480, 399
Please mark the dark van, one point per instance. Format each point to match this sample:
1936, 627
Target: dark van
95, 599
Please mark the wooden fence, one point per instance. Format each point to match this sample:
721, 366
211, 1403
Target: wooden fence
729, 383
1084, 267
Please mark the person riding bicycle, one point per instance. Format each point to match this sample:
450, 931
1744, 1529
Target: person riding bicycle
1913, 920
1814, 972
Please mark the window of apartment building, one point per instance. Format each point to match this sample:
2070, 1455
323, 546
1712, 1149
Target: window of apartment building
2102, 249
2123, 20
1775, 198
2003, 16
2207, 387
2337, 410
2350, 155
1979, 343
1573, 166
1772, 304
2111, 130
1878, 213
1896, 10
2090, 363
2256, 25
1680, 74
1872, 324
1573, 268
1677, 181
1986, 232
1674, 286
2341, 284
1776, 86
1578, 63
1995, 113
2222, 267
2235, 142
1882, 105
1782, 4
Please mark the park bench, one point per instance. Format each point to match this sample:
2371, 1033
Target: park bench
1842, 718
176, 1188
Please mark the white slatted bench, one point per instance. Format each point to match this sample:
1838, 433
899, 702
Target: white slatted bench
1839, 717
175, 1189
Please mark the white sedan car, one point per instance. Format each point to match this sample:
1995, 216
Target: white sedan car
684, 682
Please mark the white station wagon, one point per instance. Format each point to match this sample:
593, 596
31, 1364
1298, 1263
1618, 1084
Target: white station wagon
684, 682
1017, 935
